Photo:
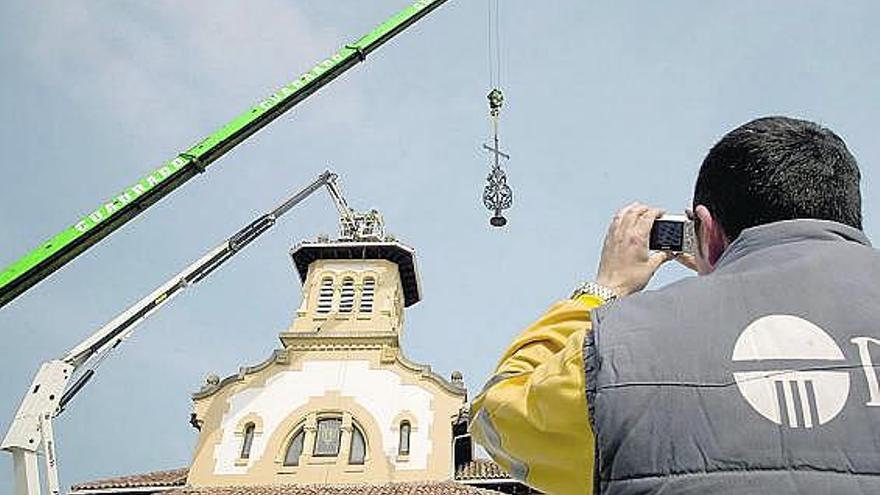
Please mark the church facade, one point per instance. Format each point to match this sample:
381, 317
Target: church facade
337, 408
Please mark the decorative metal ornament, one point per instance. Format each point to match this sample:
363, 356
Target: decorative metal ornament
497, 195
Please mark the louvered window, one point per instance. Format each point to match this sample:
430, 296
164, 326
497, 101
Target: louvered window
325, 296
367, 295
346, 297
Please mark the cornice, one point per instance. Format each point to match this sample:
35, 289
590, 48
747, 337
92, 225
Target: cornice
327, 340
280, 356
425, 371
335, 342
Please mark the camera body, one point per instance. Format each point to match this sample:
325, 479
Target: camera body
673, 233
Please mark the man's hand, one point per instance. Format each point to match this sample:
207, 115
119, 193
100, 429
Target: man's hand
626, 265
688, 261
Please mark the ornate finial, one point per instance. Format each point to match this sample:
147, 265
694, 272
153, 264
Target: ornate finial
497, 196
212, 380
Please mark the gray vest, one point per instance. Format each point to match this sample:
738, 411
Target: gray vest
758, 378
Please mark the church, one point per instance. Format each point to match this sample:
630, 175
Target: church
338, 408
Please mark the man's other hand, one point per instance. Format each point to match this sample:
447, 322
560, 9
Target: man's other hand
627, 265
687, 260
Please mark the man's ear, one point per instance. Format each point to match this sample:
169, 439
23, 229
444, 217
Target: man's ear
712, 238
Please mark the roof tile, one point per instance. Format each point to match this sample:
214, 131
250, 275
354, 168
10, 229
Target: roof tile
173, 477
416, 488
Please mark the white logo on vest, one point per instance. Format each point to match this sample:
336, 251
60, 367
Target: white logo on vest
799, 399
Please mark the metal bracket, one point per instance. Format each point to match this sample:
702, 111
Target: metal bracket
194, 161
43, 397
362, 56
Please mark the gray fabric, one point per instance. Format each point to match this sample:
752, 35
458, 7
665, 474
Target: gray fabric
667, 414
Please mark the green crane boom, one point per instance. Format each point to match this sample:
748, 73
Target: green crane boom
112, 214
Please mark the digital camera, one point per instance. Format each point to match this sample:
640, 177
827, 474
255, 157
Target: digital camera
673, 233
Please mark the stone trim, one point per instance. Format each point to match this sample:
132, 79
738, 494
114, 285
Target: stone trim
345, 342
279, 356
425, 371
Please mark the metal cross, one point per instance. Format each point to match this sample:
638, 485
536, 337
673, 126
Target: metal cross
495, 151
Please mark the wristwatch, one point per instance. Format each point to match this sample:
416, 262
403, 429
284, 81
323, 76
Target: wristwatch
594, 289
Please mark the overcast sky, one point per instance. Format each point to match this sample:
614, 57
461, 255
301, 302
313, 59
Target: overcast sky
607, 102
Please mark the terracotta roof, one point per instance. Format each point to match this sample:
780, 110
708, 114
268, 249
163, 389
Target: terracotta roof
417, 488
480, 469
171, 478
175, 479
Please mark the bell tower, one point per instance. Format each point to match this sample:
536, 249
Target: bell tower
354, 289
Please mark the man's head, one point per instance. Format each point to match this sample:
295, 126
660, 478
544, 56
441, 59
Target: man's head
772, 169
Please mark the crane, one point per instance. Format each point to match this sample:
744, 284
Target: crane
118, 210
51, 389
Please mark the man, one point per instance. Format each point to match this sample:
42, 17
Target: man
756, 377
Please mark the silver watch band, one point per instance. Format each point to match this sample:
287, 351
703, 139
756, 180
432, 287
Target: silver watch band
594, 289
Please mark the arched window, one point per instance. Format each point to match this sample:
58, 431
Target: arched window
358, 451
403, 447
367, 294
295, 449
325, 295
346, 297
328, 437
247, 441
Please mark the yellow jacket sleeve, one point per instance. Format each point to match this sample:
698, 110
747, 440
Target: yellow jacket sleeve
532, 415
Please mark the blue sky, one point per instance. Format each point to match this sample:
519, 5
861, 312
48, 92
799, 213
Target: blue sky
607, 102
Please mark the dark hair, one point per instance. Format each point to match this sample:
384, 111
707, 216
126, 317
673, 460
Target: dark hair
779, 168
